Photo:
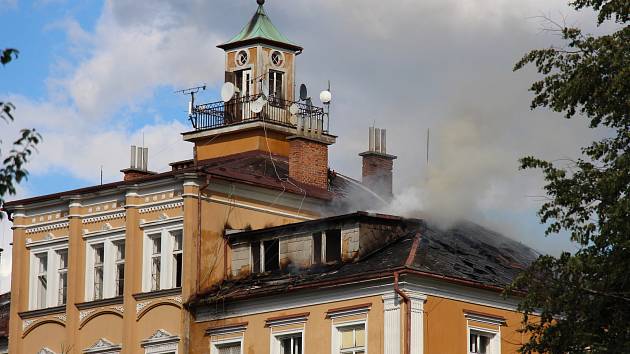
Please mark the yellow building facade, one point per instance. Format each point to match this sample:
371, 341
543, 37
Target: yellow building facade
202, 258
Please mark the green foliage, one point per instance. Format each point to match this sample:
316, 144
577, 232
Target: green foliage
12, 169
583, 299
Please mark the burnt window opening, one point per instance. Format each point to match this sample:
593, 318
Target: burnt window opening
333, 245
317, 248
255, 247
272, 255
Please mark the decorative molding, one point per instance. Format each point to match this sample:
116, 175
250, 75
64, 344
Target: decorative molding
49, 227
298, 318
141, 305
105, 217
484, 318
177, 299
159, 341
228, 329
174, 293
45, 351
84, 314
417, 321
144, 224
42, 312
100, 303
348, 311
162, 206
48, 241
27, 323
62, 318
119, 308
103, 346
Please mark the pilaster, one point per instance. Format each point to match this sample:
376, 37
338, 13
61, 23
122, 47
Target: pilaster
19, 272
76, 271
133, 265
417, 322
391, 326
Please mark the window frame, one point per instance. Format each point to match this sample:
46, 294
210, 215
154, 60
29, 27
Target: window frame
109, 241
217, 343
494, 336
336, 334
117, 263
277, 336
62, 272
51, 249
165, 230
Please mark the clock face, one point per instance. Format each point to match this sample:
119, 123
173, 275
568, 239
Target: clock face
277, 58
242, 58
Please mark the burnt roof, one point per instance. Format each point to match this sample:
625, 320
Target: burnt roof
255, 168
465, 253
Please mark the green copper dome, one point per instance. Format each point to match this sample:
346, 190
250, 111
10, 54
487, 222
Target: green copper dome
260, 29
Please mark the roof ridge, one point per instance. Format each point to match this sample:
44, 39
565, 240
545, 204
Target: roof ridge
413, 250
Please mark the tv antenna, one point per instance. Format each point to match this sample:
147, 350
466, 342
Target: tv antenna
192, 92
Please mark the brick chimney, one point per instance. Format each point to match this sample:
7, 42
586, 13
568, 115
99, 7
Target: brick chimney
139, 164
378, 165
308, 154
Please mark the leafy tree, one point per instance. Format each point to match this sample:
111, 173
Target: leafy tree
583, 299
12, 169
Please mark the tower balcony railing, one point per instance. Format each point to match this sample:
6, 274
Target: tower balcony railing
239, 111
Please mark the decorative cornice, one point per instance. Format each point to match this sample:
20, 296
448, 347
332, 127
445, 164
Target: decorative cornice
162, 206
49, 240
100, 303
176, 292
227, 329
42, 312
484, 318
104, 217
297, 318
47, 227
348, 311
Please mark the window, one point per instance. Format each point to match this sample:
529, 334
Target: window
156, 261
105, 267
99, 262
291, 344
42, 279
163, 258
242, 57
317, 248
177, 258
255, 247
333, 245
120, 267
275, 85
62, 276
482, 342
277, 58
228, 348
352, 339
272, 255
48, 279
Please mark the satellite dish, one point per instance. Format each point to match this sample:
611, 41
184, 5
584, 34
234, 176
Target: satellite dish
303, 92
325, 96
262, 100
227, 91
294, 109
257, 106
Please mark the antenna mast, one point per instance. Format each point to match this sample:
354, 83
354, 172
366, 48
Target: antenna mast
192, 92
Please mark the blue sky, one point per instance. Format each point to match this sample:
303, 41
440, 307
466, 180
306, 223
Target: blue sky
97, 76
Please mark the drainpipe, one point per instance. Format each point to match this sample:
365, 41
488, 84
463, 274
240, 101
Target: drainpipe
407, 301
405, 297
